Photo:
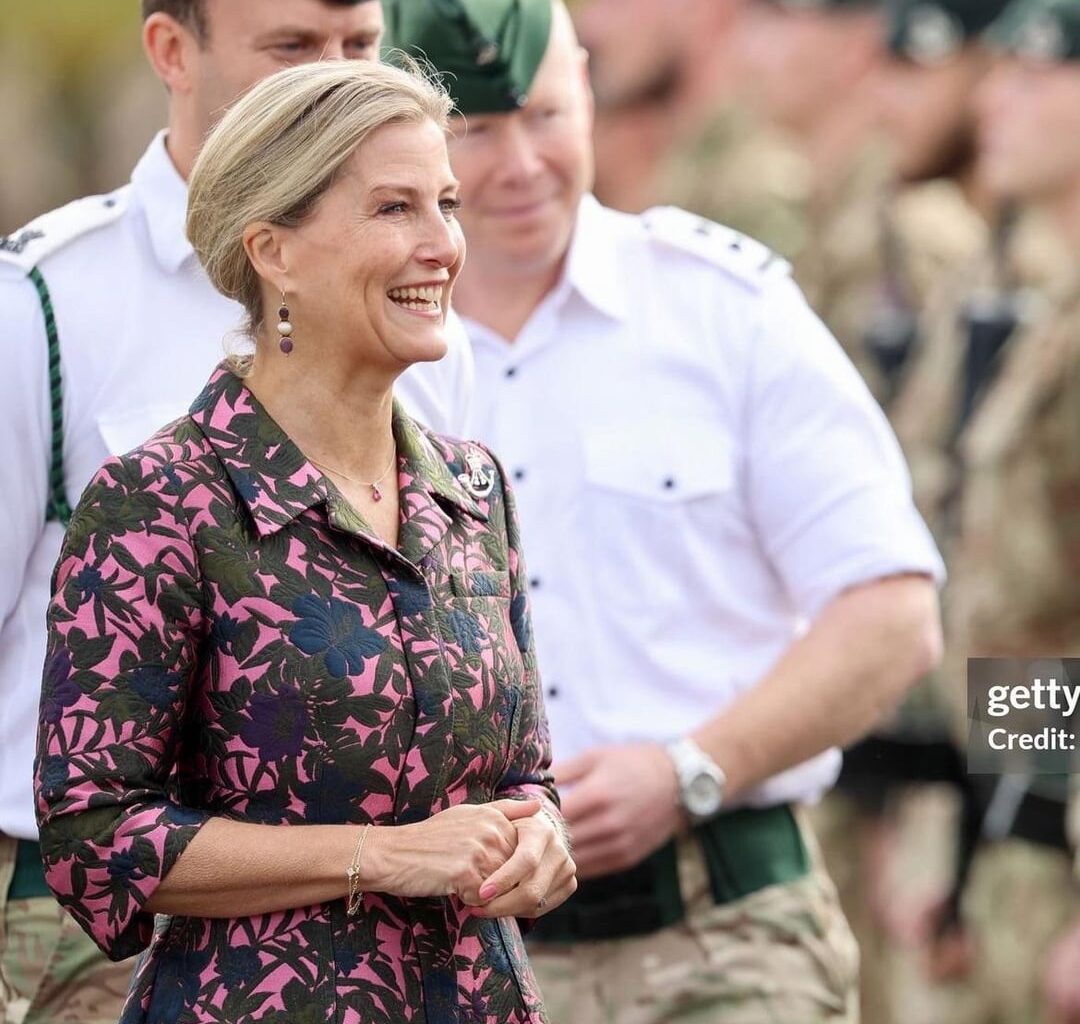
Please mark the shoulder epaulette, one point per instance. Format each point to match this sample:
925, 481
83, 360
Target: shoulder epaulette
738, 254
50, 232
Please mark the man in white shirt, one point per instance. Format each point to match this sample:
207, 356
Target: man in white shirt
728, 575
111, 331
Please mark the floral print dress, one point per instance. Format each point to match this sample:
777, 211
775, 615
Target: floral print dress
228, 638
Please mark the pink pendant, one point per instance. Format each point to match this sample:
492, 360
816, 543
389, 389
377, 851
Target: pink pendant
376, 494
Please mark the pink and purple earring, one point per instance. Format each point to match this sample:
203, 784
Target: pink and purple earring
284, 327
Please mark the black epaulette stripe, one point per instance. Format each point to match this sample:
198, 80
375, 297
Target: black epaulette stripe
57, 507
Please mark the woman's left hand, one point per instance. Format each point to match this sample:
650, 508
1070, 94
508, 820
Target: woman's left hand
539, 875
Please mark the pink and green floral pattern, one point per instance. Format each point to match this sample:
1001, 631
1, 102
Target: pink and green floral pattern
228, 638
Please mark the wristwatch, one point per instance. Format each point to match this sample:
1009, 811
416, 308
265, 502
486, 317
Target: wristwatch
701, 779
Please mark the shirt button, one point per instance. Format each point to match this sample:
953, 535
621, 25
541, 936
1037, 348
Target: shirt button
553, 692
511, 372
519, 474
669, 484
535, 583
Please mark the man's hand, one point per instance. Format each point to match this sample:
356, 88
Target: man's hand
1061, 982
620, 803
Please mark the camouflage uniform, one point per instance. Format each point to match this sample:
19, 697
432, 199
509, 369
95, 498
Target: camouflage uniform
50, 972
740, 173
998, 491
721, 958
924, 233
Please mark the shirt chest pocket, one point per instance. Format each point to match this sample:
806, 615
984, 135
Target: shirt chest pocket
670, 464
656, 507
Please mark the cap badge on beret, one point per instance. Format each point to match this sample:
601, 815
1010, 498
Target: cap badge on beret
1042, 39
933, 34
488, 55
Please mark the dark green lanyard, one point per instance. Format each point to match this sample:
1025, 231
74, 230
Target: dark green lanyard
57, 507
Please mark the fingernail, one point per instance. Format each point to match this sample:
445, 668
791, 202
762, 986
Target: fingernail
487, 891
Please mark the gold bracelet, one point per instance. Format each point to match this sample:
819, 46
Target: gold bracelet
352, 904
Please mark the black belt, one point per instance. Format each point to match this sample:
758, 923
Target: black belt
744, 850
879, 764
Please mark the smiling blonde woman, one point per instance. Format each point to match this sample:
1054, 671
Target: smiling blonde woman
291, 697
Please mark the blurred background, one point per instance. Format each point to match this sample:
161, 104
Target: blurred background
78, 103
885, 157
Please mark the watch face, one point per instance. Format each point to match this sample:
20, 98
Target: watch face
703, 795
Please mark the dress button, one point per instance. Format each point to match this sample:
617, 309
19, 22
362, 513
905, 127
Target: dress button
511, 372
535, 583
669, 483
553, 692
519, 474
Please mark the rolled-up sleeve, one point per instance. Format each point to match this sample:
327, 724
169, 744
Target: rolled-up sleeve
829, 489
124, 630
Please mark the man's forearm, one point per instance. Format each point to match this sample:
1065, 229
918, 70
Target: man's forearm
864, 651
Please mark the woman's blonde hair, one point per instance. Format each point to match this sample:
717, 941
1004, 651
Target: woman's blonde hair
278, 150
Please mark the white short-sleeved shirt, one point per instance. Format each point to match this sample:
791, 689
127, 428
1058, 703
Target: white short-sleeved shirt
140, 329
699, 471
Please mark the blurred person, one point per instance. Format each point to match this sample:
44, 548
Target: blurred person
887, 831
267, 747
813, 65
114, 327
674, 124
1015, 592
697, 465
1004, 372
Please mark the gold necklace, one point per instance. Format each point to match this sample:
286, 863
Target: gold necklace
376, 494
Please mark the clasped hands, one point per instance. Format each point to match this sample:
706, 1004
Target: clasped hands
506, 858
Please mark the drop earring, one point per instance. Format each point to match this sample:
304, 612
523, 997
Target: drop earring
284, 327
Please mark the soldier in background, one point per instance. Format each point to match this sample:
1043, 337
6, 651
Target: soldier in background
1009, 409
813, 64
673, 125
658, 70
887, 830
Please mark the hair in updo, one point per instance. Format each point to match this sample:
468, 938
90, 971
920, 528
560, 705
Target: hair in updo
277, 152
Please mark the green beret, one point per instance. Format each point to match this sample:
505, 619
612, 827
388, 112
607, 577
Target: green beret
488, 50
1047, 31
932, 31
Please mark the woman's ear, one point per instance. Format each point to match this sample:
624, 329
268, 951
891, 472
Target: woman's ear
263, 243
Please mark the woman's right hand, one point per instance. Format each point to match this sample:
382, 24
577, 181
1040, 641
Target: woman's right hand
449, 854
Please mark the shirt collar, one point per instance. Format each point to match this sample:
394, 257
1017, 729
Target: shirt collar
592, 264
274, 478
162, 192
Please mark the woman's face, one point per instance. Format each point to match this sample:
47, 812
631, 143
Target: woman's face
370, 272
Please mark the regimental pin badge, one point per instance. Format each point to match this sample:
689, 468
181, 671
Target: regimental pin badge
480, 476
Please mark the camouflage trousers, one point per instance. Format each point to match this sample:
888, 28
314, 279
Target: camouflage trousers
50, 972
783, 955
1020, 898
919, 825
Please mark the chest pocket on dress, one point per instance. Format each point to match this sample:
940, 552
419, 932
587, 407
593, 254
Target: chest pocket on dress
658, 496
486, 672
